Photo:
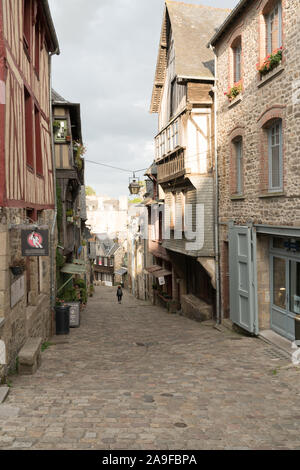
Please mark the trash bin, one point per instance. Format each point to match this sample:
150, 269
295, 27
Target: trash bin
62, 318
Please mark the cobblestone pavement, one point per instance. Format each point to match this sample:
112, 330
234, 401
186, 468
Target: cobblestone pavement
135, 377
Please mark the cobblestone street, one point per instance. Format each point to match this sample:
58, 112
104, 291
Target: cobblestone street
135, 377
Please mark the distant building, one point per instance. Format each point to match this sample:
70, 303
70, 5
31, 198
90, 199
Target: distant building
107, 215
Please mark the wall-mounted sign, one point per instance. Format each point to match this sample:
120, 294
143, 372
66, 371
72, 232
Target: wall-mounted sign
17, 291
161, 281
74, 314
35, 242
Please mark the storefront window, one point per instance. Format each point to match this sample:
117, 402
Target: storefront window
279, 283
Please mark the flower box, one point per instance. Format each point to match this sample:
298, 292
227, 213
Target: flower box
234, 91
270, 62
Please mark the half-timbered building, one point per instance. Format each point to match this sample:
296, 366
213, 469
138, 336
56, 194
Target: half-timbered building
183, 99
27, 196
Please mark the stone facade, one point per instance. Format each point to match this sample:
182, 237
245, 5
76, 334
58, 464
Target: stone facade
263, 100
31, 316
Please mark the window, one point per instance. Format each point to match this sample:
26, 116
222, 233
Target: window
105, 262
175, 134
274, 29
275, 155
157, 147
29, 127
38, 143
237, 56
27, 22
60, 130
111, 262
169, 145
37, 49
238, 145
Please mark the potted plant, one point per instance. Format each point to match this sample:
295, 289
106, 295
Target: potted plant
270, 62
69, 215
18, 267
56, 126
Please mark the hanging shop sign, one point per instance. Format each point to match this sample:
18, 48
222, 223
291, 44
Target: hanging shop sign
161, 281
35, 242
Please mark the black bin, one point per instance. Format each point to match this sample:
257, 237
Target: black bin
297, 328
62, 320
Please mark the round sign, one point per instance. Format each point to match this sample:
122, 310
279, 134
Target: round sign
35, 240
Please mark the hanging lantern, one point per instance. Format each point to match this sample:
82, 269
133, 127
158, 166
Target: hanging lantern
134, 185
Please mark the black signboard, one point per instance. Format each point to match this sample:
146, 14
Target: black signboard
35, 242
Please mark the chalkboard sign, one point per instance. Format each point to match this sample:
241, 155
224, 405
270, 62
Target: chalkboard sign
74, 314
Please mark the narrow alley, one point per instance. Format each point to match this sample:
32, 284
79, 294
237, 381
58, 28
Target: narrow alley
135, 377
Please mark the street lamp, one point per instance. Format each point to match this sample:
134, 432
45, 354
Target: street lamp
134, 185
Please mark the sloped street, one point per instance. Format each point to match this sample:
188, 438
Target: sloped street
135, 377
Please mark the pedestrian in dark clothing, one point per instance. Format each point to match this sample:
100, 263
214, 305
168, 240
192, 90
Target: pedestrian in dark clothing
119, 294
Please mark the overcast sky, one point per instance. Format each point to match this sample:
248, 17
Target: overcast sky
107, 63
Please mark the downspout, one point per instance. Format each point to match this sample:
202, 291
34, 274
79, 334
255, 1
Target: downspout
216, 216
53, 224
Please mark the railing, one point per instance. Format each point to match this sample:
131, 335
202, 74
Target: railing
171, 167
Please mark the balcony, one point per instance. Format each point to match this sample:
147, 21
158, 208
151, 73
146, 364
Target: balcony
173, 166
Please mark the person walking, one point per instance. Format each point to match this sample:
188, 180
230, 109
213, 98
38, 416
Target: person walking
119, 294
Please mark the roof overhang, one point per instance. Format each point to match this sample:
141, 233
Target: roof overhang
54, 44
231, 17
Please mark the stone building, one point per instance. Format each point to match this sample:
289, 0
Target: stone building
258, 123
27, 193
183, 99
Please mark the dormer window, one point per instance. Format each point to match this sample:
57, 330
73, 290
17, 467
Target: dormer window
274, 28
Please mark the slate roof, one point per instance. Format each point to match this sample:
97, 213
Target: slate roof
58, 99
192, 27
229, 20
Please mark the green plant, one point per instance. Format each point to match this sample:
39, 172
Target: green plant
60, 260
270, 62
46, 346
89, 191
56, 126
59, 209
234, 91
18, 262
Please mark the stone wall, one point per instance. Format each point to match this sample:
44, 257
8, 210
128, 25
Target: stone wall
278, 95
31, 316
263, 99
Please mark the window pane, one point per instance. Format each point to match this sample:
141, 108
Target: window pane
239, 166
295, 287
275, 156
237, 63
275, 168
279, 283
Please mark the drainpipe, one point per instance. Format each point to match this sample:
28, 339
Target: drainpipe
217, 250
53, 224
